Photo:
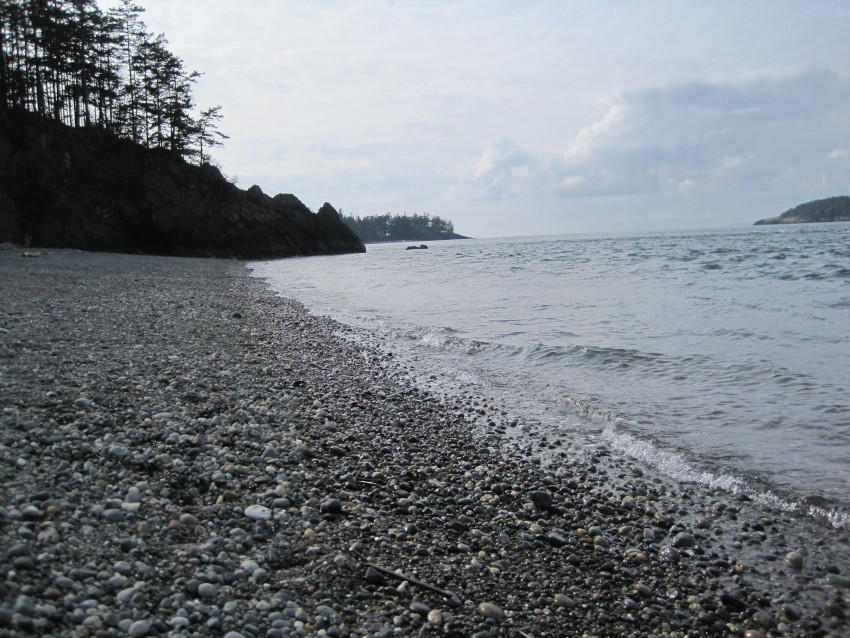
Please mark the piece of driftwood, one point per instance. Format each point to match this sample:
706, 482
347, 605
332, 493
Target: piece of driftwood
453, 598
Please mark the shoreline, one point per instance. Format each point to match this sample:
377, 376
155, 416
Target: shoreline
185, 451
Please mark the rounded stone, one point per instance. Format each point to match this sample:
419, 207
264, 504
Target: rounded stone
139, 628
113, 515
683, 539
562, 600
207, 590
188, 519
794, 559
836, 580
489, 610
258, 512
332, 506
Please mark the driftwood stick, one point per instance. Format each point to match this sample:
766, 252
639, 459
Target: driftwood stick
453, 598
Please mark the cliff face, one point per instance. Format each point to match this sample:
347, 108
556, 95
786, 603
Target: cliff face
86, 189
832, 209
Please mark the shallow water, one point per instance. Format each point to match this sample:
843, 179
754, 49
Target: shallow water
715, 356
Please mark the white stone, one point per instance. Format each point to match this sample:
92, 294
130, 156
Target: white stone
258, 512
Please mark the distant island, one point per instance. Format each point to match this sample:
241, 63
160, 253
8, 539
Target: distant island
832, 209
384, 228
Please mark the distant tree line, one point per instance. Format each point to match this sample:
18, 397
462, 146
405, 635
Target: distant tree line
68, 61
416, 227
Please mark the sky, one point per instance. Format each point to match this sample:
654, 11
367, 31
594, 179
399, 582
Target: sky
527, 117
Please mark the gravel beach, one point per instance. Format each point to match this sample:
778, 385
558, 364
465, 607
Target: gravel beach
184, 453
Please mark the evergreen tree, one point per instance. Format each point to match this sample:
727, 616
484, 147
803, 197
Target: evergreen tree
208, 134
68, 61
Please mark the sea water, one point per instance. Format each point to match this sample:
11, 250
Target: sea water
720, 357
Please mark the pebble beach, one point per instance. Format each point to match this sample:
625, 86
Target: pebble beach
185, 453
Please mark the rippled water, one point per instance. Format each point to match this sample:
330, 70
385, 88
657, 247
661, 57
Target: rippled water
720, 357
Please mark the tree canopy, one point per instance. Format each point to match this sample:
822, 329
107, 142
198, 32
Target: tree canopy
831, 209
388, 227
68, 61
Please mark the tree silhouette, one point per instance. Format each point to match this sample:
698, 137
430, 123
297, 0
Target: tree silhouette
387, 227
68, 61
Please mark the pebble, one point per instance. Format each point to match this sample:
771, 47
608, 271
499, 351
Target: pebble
207, 590
139, 628
489, 610
837, 580
258, 512
684, 539
332, 506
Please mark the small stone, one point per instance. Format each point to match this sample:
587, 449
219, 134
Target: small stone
562, 600
794, 559
375, 577
836, 580
188, 519
644, 590
117, 451
683, 539
139, 628
63, 582
420, 608
113, 515
489, 610
24, 605
435, 617
207, 590
542, 500
764, 620
258, 512
30, 513
326, 611
556, 539
331, 506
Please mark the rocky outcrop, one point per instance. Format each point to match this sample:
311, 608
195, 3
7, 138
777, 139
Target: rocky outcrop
832, 209
87, 189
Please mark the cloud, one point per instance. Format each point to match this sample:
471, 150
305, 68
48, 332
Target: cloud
685, 138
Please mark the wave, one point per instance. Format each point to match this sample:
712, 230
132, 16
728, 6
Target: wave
678, 467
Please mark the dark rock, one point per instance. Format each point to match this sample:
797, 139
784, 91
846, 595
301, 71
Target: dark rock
87, 189
331, 506
542, 499
375, 577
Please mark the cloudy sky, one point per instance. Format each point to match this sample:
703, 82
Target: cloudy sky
528, 117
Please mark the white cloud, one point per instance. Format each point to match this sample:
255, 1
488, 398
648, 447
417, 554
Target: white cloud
839, 154
686, 138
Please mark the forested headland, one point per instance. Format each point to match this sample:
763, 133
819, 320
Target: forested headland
831, 209
388, 227
102, 147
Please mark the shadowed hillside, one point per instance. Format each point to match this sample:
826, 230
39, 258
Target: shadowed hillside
86, 188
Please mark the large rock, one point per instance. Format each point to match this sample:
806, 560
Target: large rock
87, 189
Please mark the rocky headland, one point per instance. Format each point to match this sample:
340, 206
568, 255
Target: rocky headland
88, 189
831, 209
185, 453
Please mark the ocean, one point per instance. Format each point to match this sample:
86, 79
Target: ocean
715, 356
